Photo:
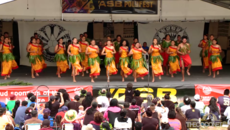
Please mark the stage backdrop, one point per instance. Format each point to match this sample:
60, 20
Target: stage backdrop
193, 30
110, 6
49, 33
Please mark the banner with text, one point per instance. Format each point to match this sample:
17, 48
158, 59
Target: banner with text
207, 91
21, 91
49, 33
110, 6
192, 30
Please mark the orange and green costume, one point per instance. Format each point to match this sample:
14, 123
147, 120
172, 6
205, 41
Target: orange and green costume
75, 59
110, 62
8, 62
205, 48
156, 61
40, 50
164, 54
124, 61
84, 57
94, 62
215, 59
174, 60
138, 63
35, 59
61, 59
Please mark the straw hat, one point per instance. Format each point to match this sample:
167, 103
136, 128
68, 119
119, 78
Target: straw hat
70, 115
88, 127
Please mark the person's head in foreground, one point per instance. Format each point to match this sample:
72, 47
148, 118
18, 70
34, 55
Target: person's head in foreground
138, 126
106, 126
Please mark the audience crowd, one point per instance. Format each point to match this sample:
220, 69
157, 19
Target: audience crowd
85, 112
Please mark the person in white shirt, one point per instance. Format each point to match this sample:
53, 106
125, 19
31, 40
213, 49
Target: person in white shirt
186, 106
123, 122
102, 100
227, 113
199, 105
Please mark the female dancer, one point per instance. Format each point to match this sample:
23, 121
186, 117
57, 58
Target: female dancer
124, 61
94, 60
166, 43
204, 52
116, 45
8, 62
156, 60
211, 38
40, 53
173, 59
185, 61
1, 43
61, 58
34, 58
75, 58
135, 40
109, 51
84, 57
138, 64
215, 57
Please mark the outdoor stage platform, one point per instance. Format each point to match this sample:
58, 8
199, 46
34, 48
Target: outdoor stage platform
49, 77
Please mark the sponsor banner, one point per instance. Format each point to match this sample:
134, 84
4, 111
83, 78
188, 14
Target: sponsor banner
110, 6
207, 91
21, 91
192, 30
49, 33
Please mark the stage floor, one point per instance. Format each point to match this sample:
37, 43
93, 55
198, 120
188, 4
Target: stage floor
49, 77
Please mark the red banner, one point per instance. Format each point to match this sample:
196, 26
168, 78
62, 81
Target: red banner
21, 91
207, 91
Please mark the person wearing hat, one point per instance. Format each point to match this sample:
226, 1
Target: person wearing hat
102, 100
45, 115
54, 105
46, 125
10, 104
88, 127
199, 104
165, 124
70, 117
62, 111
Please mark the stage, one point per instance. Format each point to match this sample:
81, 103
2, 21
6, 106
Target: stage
49, 77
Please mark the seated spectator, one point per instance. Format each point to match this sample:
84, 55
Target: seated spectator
199, 105
136, 109
227, 114
3, 122
129, 93
159, 108
212, 109
109, 96
7, 117
46, 125
181, 117
45, 115
3, 105
62, 111
130, 114
102, 100
88, 127
154, 113
9, 127
98, 119
17, 104
182, 103
28, 96
71, 117
74, 104
82, 95
138, 126
65, 96
112, 112
165, 124
175, 123
223, 99
10, 104
186, 106
192, 115
149, 123
54, 105
58, 124
123, 122
20, 113
34, 119
32, 101
89, 116
106, 126
146, 105
138, 98
88, 100
167, 103
28, 113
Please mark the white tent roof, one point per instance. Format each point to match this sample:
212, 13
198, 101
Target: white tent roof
172, 10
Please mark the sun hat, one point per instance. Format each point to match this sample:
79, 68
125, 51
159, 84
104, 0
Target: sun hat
70, 115
197, 97
88, 127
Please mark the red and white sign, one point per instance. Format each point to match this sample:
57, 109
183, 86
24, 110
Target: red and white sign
207, 91
21, 91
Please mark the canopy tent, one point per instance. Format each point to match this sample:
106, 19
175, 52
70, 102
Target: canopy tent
171, 10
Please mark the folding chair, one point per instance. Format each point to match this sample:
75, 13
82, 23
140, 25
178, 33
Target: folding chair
67, 126
33, 126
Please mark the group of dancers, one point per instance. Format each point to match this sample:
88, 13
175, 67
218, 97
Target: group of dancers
84, 55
